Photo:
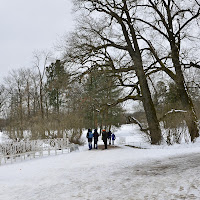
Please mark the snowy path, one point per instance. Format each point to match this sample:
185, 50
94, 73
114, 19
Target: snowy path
122, 173
173, 178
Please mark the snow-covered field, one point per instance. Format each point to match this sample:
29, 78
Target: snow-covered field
119, 173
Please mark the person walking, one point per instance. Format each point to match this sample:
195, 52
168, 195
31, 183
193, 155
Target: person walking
104, 137
109, 137
89, 137
113, 138
96, 136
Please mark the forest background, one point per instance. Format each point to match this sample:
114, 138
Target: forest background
120, 50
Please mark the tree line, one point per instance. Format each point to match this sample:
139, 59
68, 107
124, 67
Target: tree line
45, 101
120, 50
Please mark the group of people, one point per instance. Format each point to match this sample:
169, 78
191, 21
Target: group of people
106, 137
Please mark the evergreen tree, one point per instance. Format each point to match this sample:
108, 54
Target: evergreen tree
100, 92
57, 79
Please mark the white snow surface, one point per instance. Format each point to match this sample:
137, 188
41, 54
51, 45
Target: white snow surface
3, 137
157, 172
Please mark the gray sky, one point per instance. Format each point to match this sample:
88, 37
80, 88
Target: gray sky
29, 25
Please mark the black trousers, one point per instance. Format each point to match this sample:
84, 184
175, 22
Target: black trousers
95, 143
105, 144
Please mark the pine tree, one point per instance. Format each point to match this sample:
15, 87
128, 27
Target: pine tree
100, 92
57, 79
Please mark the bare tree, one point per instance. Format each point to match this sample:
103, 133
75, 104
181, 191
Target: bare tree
114, 31
15, 86
3, 98
41, 62
170, 21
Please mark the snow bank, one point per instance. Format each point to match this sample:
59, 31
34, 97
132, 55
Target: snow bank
3, 137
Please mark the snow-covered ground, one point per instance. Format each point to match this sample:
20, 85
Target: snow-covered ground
117, 173
3, 137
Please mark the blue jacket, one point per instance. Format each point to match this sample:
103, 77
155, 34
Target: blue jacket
113, 136
89, 135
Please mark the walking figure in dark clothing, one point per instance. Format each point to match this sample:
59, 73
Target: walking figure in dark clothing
104, 137
109, 137
89, 137
96, 136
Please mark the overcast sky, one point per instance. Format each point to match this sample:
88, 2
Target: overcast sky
29, 25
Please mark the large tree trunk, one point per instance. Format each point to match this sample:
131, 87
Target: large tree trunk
191, 118
135, 54
153, 123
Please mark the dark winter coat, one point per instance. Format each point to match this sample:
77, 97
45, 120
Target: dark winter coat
104, 135
95, 135
109, 134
